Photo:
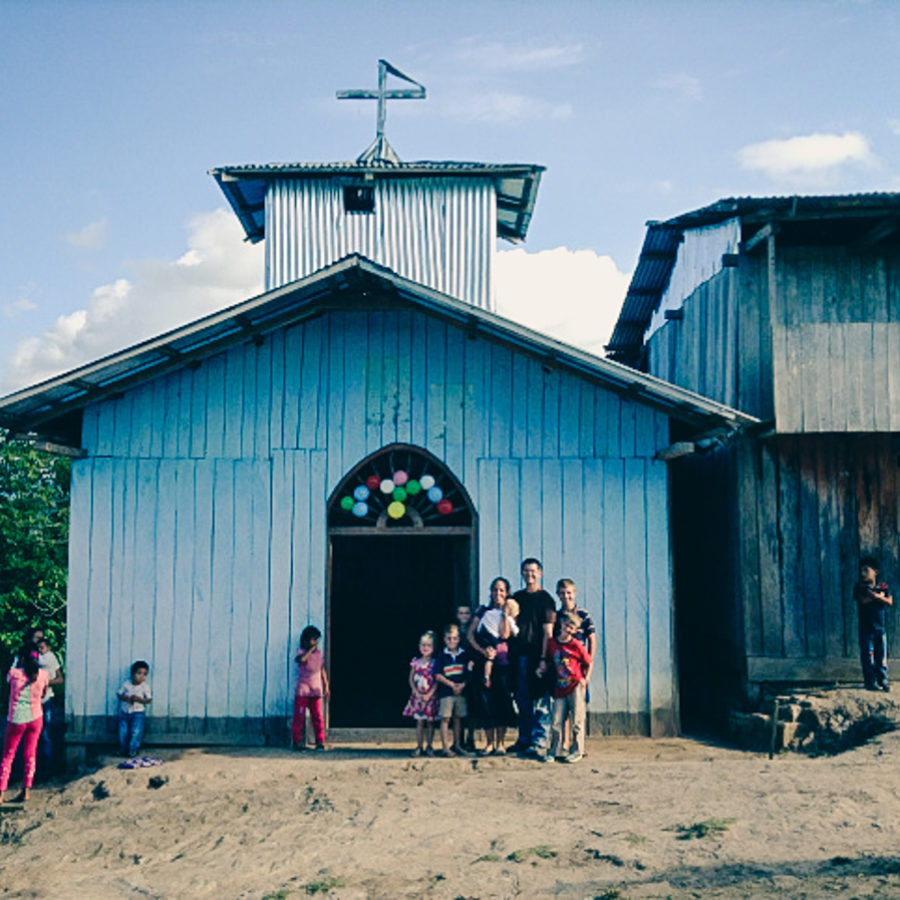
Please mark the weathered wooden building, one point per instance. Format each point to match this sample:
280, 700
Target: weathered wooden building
360, 447
789, 309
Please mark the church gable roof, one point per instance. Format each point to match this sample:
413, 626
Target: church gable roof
52, 408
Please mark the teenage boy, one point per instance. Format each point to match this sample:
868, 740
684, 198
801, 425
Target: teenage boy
537, 615
872, 598
451, 671
570, 661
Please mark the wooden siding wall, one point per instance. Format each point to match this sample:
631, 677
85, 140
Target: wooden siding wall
198, 519
810, 508
721, 347
836, 333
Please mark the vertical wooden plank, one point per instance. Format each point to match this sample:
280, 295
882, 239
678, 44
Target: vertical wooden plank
106, 427
285, 633
215, 406
221, 620
78, 587
249, 406
89, 428
390, 376
124, 514
405, 339
242, 623
879, 402
573, 551
185, 424
810, 552
183, 581
510, 518
837, 417
508, 422
636, 593
436, 335
660, 631
550, 511
164, 621
276, 391
318, 540
586, 419
790, 535
259, 590
530, 529
299, 417
234, 402
829, 556
593, 592
202, 605
533, 413
157, 416
489, 519
550, 426
749, 479
418, 380
121, 444
454, 400
338, 323
172, 399
770, 513
645, 445
614, 585
97, 675
278, 625
262, 439
199, 405
475, 406
518, 423
849, 537
353, 412
144, 598
893, 379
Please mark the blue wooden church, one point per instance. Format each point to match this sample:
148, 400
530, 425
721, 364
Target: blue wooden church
362, 446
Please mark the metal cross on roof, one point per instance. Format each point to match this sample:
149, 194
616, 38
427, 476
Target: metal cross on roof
380, 150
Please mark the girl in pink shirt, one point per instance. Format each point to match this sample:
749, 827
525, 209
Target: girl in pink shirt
27, 686
312, 688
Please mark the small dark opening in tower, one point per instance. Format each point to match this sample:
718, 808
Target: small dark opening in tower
359, 198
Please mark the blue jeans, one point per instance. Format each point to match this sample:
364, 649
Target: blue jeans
45, 744
131, 731
873, 655
534, 707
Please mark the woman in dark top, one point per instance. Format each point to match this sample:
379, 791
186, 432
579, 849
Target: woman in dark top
496, 626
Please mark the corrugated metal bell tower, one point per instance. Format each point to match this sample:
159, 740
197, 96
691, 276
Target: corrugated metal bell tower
436, 223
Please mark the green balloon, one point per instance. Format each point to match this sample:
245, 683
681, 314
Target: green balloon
399, 494
347, 503
413, 487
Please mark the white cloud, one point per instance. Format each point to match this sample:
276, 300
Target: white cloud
17, 307
218, 269
91, 237
894, 125
686, 88
497, 56
572, 295
504, 107
810, 155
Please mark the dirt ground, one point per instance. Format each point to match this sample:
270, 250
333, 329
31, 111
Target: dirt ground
637, 818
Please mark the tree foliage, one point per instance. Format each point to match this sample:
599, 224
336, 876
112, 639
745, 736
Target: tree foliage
34, 536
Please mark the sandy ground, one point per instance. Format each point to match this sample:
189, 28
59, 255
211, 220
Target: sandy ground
372, 822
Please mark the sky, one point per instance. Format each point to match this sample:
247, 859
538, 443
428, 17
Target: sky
114, 112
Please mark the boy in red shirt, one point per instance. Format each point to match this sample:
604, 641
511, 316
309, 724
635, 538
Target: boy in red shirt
570, 662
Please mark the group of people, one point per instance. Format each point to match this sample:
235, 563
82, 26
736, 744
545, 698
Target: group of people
32, 676
516, 660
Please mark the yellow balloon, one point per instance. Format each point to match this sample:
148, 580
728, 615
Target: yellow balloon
396, 510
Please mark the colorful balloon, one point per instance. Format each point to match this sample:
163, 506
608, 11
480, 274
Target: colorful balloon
445, 507
399, 494
400, 477
435, 494
427, 481
396, 510
361, 492
347, 503
387, 486
372, 482
413, 487
360, 510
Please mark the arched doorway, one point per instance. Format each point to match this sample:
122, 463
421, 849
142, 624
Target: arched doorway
402, 554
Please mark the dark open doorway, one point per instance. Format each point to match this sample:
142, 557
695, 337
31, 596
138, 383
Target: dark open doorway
385, 591
402, 556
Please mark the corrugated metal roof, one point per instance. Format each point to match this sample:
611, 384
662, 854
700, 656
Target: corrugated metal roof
659, 252
37, 408
516, 184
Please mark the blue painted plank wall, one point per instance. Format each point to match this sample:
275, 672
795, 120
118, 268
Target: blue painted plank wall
200, 510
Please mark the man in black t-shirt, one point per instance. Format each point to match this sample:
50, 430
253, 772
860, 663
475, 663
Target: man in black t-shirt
537, 614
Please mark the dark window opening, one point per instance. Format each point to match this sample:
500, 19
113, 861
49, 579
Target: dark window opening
358, 198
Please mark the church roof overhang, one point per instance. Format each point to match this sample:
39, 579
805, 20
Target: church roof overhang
831, 220
52, 408
516, 186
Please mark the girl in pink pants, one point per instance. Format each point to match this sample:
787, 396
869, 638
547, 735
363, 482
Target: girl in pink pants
312, 689
27, 686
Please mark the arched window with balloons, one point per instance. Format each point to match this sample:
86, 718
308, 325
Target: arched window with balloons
400, 487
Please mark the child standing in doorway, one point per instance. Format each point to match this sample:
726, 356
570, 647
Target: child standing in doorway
312, 688
134, 697
422, 705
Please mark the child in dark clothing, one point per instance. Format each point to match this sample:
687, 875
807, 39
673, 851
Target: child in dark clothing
872, 598
463, 620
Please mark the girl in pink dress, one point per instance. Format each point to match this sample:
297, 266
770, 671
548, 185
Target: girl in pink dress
312, 688
422, 705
